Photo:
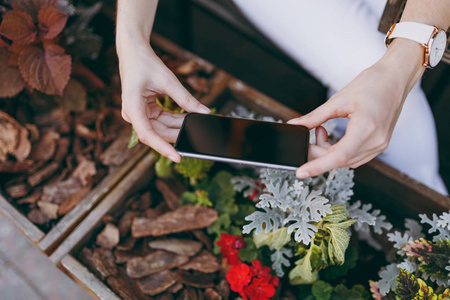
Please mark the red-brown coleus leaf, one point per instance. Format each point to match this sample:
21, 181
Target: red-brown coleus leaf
3, 43
47, 71
11, 83
18, 48
32, 7
51, 21
13, 59
18, 27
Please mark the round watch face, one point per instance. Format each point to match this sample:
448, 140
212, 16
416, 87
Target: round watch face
437, 48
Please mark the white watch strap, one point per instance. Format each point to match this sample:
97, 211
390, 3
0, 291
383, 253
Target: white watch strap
418, 32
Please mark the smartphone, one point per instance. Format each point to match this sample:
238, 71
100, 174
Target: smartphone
241, 141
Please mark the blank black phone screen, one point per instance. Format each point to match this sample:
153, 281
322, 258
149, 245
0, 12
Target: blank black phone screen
242, 139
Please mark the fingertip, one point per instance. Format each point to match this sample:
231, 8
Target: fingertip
176, 158
294, 121
203, 109
302, 174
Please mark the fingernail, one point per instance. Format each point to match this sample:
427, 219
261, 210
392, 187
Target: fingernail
174, 158
302, 174
203, 109
292, 121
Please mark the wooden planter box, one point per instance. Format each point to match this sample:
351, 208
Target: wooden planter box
48, 241
64, 256
376, 182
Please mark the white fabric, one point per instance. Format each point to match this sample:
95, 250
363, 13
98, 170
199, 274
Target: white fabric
335, 41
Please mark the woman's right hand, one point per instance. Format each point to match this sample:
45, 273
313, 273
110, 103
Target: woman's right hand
144, 76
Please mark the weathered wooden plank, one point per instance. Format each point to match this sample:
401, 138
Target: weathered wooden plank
21, 222
71, 219
83, 277
140, 175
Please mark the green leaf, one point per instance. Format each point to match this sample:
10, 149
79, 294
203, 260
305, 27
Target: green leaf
220, 225
322, 290
339, 214
317, 262
134, 140
188, 198
193, 168
339, 239
163, 167
221, 189
303, 273
249, 253
234, 230
274, 239
202, 198
341, 292
244, 210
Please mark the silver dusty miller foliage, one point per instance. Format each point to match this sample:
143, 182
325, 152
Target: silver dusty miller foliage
298, 204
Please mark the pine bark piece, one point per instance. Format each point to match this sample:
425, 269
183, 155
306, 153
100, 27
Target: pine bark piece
143, 202
117, 153
31, 199
171, 191
74, 200
175, 288
13, 139
125, 287
198, 280
205, 262
177, 246
84, 132
58, 119
45, 148
104, 263
49, 209
62, 150
202, 237
157, 283
33, 132
43, 174
58, 192
124, 256
188, 294
164, 296
126, 243
211, 294
16, 166
85, 171
18, 190
109, 237
37, 217
154, 262
224, 289
185, 218
125, 222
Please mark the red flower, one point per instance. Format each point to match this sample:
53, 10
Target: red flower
260, 271
260, 289
239, 277
230, 246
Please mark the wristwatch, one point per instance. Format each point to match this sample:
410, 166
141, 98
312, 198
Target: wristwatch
433, 39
